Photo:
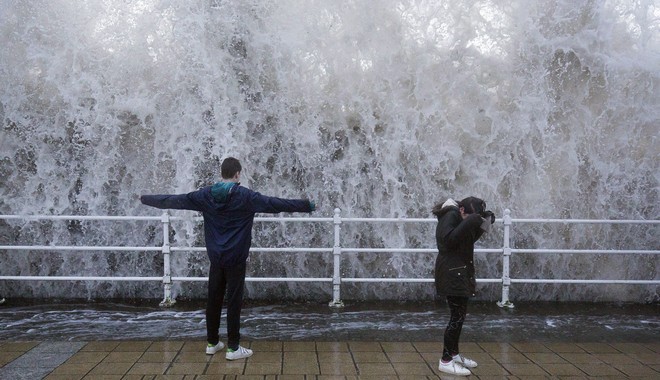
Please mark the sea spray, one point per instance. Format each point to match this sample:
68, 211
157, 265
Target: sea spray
546, 108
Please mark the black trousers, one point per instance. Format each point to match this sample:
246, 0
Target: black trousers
458, 311
229, 282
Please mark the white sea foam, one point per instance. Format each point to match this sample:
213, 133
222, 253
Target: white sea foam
375, 321
547, 108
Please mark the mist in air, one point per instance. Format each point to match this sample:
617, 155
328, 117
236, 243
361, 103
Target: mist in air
549, 109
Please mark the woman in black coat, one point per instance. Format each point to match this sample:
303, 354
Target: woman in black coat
460, 225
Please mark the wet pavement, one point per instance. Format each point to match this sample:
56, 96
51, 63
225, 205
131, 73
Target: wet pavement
318, 360
313, 341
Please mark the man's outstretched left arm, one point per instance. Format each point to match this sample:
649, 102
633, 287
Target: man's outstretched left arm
273, 205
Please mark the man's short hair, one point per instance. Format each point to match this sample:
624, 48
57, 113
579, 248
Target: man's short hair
230, 166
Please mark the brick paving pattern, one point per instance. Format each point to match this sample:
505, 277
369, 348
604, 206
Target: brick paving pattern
309, 360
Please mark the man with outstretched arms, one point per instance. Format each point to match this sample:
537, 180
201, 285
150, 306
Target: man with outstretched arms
228, 209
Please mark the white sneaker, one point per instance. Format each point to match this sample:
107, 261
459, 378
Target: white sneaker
465, 362
211, 349
453, 368
241, 353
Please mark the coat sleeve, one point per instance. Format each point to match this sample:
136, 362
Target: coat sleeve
274, 205
454, 230
190, 201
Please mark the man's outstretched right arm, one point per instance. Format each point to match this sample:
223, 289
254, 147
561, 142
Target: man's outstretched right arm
165, 201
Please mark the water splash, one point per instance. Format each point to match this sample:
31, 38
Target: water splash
549, 109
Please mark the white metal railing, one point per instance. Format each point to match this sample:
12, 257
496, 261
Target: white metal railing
337, 251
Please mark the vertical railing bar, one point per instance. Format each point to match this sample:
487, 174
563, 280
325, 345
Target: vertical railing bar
506, 256
336, 255
167, 268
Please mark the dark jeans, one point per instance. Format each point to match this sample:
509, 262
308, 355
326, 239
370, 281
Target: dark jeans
457, 310
232, 282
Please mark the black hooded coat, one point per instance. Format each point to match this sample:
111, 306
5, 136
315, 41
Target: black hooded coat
455, 237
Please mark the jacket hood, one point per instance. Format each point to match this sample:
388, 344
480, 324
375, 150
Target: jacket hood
221, 190
441, 209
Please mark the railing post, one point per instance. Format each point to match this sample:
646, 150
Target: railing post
336, 254
506, 255
167, 270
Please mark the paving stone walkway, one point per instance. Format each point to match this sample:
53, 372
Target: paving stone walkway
317, 360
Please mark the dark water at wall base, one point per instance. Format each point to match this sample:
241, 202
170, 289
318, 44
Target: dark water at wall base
384, 321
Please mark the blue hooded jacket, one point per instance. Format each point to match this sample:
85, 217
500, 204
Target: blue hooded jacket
228, 211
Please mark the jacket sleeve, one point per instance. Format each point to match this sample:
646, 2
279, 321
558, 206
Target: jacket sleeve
190, 201
274, 205
454, 229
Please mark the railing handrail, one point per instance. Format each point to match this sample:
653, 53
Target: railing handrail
32, 217
337, 250
587, 221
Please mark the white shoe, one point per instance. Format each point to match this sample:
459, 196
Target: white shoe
241, 353
465, 362
453, 368
210, 349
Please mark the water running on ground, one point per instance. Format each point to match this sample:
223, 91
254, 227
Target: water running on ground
391, 321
